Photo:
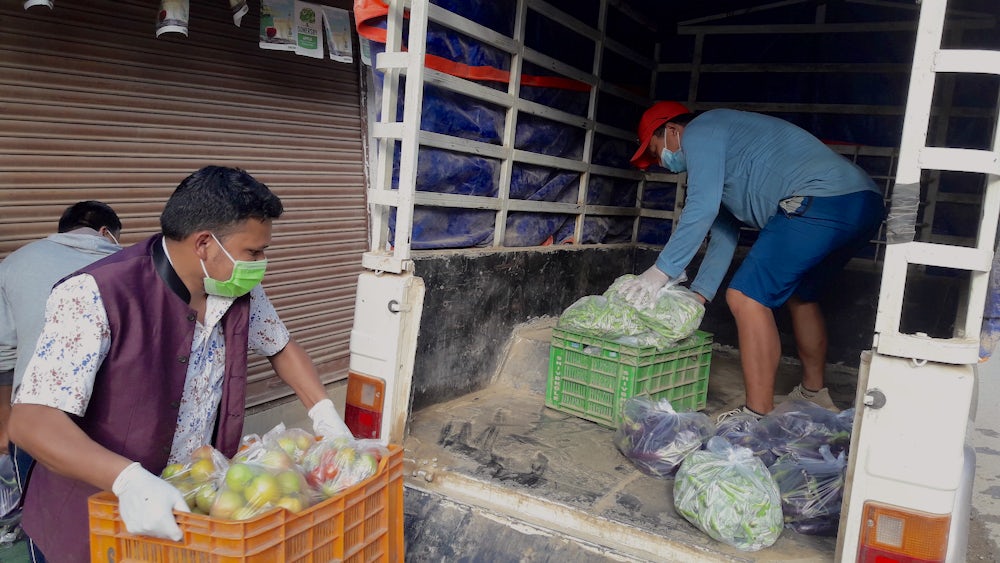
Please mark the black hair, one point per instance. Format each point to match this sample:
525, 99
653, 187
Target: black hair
92, 214
680, 119
217, 198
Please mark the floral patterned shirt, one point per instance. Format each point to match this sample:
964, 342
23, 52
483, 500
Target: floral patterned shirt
76, 339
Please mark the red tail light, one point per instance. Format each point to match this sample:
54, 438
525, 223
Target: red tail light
363, 408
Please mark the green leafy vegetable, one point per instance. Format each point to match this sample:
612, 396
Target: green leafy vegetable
729, 494
674, 316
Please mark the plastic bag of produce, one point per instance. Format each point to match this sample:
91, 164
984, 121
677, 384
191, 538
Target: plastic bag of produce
294, 441
673, 314
812, 489
332, 465
656, 438
800, 427
741, 430
198, 479
261, 476
601, 317
728, 493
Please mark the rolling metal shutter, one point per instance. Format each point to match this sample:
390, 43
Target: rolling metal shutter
94, 106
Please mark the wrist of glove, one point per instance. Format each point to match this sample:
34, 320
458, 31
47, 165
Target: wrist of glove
640, 291
146, 503
327, 422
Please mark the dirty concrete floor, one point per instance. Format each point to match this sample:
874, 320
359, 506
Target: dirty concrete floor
501, 446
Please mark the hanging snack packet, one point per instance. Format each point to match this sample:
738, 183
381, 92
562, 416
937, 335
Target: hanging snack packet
277, 25
239, 9
308, 30
172, 17
337, 24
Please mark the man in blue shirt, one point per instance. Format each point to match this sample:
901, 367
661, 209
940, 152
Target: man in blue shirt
814, 209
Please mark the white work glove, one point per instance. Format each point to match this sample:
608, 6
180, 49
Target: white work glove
641, 290
147, 502
327, 421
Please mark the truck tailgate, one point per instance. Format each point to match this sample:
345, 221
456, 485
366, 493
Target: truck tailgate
501, 454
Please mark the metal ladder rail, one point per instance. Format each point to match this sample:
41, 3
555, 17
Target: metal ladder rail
915, 156
398, 60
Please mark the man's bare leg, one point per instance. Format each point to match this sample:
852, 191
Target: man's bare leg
760, 349
811, 340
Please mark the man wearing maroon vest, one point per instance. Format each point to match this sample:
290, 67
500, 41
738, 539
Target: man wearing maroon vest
143, 358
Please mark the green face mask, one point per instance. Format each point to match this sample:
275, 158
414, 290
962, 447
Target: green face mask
246, 275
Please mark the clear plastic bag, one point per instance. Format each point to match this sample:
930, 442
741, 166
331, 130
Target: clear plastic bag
264, 475
199, 478
601, 317
10, 499
674, 313
294, 441
728, 493
800, 427
812, 489
741, 430
655, 438
333, 465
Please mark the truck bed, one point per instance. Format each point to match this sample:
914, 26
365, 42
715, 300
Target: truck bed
494, 475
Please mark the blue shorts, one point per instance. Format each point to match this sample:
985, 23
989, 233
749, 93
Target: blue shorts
800, 252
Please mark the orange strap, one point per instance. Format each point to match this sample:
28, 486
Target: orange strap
366, 12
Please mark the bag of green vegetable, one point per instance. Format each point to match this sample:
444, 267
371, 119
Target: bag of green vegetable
598, 316
655, 438
812, 489
728, 493
674, 314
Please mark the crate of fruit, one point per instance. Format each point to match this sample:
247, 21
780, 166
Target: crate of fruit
363, 522
591, 377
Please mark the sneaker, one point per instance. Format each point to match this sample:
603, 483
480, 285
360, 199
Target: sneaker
821, 398
740, 412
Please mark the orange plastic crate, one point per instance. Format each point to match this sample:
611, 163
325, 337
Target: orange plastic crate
362, 524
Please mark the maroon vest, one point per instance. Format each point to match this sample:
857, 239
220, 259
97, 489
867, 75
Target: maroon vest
134, 405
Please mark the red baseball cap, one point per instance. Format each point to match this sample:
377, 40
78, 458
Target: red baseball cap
652, 119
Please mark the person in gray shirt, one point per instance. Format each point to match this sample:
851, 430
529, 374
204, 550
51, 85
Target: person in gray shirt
87, 232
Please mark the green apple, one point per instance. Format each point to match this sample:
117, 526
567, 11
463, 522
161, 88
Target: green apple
239, 476
287, 443
171, 470
345, 456
304, 441
276, 460
262, 490
245, 512
291, 503
202, 470
367, 464
202, 452
290, 481
226, 504
204, 498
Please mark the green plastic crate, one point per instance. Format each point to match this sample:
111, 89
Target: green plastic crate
591, 377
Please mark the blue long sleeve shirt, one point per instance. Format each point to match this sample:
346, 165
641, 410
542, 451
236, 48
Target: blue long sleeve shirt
740, 165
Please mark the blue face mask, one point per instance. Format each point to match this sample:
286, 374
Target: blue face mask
673, 161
